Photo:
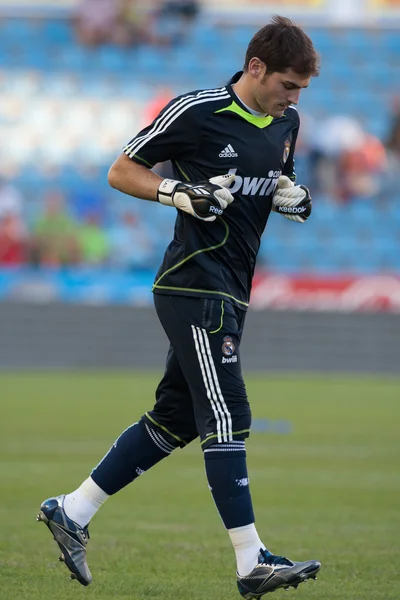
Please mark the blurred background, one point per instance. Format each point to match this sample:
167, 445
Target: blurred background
79, 78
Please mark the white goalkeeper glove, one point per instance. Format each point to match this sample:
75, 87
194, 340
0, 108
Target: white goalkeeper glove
292, 201
204, 200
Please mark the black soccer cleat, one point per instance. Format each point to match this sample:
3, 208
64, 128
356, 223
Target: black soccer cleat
273, 572
70, 537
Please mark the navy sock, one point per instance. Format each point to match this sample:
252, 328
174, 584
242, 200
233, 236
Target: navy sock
227, 476
136, 450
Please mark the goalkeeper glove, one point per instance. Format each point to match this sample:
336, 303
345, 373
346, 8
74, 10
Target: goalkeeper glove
292, 201
204, 200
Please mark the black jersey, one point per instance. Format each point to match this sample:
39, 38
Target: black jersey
207, 133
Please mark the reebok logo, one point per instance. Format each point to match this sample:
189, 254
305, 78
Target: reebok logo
231, 359
215, 210
228, 152
292, 209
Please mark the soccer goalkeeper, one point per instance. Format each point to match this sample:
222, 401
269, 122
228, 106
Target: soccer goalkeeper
232, 152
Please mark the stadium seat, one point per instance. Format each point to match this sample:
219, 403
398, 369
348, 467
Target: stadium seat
75, 58
112, 58
24, 30
60, 32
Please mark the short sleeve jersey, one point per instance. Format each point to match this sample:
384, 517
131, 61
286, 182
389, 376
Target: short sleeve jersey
207, 133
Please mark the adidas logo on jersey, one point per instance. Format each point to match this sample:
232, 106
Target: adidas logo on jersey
228, 152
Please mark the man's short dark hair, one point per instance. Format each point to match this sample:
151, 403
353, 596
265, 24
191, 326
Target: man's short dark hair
282, 45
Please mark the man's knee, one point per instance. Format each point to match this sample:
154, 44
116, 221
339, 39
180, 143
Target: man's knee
178, 437
228, 426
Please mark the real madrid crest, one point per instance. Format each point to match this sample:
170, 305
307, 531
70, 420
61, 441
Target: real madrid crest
286, 150
228, 347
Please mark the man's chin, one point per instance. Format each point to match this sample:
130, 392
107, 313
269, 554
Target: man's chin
277, 113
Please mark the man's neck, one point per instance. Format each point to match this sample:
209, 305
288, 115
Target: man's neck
241, 89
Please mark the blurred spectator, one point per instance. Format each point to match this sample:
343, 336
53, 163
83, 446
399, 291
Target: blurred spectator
393, 142
93, 241
110, 22
328, 140
346, 161
134, 20
13, 234
55, 239
11, 200
94, 20
13, 240
360, 169
86, 199
131, 246
390, 181
174, 19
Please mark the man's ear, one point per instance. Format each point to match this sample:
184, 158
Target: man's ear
256, 67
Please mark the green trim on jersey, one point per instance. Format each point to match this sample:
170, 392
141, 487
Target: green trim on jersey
142, 159
165, 429
182, 171
215, 435
222, 318
259, 122
195, 291
156, 285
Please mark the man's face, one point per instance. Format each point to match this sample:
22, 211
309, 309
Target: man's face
276, 91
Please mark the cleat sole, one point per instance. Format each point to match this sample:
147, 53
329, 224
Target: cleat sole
62, 558
295, 582
71, 568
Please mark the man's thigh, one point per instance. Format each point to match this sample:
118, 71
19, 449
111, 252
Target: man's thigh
205, 335
173, 410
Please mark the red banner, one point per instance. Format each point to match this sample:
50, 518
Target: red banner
374, 293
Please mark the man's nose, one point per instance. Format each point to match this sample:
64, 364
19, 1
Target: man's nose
294, 96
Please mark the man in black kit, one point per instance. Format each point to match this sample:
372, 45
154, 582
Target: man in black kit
232, 152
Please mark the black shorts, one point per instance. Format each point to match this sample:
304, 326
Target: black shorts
202, 392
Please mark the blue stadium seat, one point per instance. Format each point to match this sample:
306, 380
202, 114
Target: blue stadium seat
186, 63
76, 58
361, 212
37, 57
60, 32
324, 262
391, 210
321, 39
204, 37
149, 60
112, 58
325, 212
391, 40
23, 30
243, 34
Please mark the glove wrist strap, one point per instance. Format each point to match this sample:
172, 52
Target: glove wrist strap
165, 192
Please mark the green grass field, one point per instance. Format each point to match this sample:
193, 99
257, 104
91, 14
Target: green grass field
328, 490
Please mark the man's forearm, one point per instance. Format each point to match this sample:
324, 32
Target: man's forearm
133, 179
